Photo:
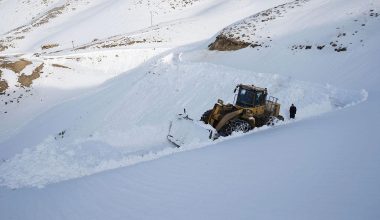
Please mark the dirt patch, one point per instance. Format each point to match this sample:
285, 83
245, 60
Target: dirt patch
49, 15
60, 66
27, 80
223, 43
16, 67
48, 46
3, 86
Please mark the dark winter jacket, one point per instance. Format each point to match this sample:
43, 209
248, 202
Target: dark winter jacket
292, 111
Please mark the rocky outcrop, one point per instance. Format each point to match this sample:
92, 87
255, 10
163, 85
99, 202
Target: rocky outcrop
223, 43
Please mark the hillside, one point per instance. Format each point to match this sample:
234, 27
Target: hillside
84, 121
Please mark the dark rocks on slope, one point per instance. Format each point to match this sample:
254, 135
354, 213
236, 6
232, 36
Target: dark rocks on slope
223, 43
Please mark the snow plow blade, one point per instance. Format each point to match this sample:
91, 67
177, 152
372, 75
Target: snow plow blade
186, 131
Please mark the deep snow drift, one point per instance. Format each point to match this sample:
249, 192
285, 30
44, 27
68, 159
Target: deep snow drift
112, 107
129, 117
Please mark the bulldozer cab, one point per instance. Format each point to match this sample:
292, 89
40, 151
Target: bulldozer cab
249, 96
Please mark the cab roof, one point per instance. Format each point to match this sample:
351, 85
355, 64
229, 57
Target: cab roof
252, 87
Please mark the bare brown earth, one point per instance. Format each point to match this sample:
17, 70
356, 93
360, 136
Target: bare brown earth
27, 80
3, 84
16, 66
48, 46
223, 43
60, 66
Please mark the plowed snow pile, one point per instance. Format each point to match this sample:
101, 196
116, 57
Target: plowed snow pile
127, 121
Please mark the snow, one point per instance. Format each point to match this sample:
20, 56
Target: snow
87, 71
306, 178
89, 141
103, 19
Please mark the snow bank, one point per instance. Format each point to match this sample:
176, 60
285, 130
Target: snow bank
127, 121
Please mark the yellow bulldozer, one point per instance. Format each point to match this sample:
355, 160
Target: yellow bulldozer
252, 108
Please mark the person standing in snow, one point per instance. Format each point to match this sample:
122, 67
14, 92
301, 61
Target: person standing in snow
292, 111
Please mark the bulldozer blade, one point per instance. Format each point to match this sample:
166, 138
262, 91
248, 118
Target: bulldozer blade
186, 131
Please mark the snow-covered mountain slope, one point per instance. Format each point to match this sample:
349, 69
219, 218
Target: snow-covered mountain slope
144, 101
321, 166
73, 23
63, 77
342, 30
19, 12
296, 40
142, 43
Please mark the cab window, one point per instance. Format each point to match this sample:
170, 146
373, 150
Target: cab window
245, 98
